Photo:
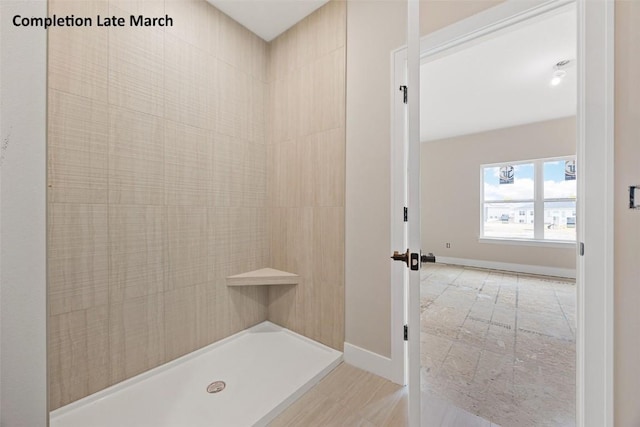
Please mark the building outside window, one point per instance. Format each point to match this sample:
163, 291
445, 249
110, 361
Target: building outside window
541, 193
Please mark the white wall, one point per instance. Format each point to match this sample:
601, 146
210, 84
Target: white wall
22, 218
374, 29
627, 221
450, 179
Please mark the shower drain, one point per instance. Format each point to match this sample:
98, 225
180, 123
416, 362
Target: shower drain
216, 387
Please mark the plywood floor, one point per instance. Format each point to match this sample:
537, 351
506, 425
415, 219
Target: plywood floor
496, 349
500, 345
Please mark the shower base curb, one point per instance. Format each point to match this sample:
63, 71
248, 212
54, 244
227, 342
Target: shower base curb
57, 416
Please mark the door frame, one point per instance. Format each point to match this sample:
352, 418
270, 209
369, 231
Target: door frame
595, 134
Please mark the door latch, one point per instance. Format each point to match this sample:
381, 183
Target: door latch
412, 259
397, 256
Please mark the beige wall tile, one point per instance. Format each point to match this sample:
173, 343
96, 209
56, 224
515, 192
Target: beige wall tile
306, 174
283, 184
78, 275
188, 164
146, 7
77, 149
176, 163
187, 246
330, 22
195, 22
220, 238
136, 158
78, 354
190, 92
77, 60
136, 336
233, 104
327, 107
227, 177
135, 67
282, 309
137, 237
254, 175
258, 97
219, 319
330, 158
234, 44
186, 315
247, 305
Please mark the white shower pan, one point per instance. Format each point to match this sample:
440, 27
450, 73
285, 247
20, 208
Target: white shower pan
265, 369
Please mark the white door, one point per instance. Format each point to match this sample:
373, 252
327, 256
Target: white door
407, 158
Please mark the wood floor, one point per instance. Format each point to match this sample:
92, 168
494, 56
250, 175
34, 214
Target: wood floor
351, 397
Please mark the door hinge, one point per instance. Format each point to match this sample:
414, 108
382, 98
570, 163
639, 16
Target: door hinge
406, 214
404, 92
581, 249
406, 333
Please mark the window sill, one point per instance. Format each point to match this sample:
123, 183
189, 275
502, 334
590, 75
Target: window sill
528, 242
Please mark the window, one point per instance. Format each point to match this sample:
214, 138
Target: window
540, 193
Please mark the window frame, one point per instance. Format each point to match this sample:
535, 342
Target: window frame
538, 202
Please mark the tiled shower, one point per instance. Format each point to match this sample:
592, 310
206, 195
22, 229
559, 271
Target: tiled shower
179, 156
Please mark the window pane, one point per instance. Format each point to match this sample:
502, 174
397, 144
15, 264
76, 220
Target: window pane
520, 189
559, 180
560, 220
509, 220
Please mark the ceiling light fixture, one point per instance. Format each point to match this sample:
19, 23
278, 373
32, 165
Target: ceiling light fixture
559, 73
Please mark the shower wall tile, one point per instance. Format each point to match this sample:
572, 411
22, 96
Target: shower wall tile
78, 56
247, 305
282, 308
188, 164
285, 108
283, 183
227, 177
254, 176
159, 173
144, 7
187, 257
78, 149
78, 354
190, 91
327, 27
233, 103
78, 257
194, 22
136, 75
258, 96
136, 158
235, 44
186, 315
137, 246
220, 237
328, 274
306, 174
136, 336
329, 152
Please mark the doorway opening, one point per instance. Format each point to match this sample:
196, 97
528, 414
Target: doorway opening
594, 134
498, 135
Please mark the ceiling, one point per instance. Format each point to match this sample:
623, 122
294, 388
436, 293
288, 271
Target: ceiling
268, 18
501, 81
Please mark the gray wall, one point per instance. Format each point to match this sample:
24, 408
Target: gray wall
23, 308
450, 179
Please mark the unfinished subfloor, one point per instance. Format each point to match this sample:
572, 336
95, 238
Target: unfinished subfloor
500, 345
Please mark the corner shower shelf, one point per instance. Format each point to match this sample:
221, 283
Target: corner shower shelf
263, 276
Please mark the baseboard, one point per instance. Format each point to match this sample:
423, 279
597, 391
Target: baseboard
507, 266
368, 361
